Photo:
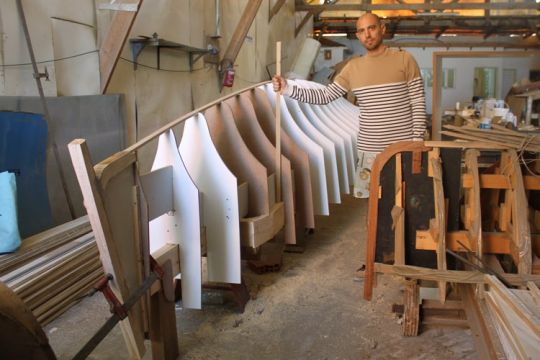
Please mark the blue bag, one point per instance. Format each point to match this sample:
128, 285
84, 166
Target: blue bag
10, 240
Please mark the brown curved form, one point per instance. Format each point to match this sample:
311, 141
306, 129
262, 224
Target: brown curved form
238, 158
373, 208
297, 157
259, 145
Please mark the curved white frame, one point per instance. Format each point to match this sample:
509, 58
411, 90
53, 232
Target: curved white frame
182, 226
219, 201
314, 151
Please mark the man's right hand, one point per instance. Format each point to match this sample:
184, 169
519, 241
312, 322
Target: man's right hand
279, 83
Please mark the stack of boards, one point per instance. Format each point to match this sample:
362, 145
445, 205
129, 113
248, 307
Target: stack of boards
53, 269
219, 181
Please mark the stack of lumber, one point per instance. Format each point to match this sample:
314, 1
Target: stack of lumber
516, 317
53, 269
497, 135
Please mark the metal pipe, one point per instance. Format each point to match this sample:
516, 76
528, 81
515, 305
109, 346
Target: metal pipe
46, 113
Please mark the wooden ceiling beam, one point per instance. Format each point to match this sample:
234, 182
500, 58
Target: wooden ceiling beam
114, 41
530, 5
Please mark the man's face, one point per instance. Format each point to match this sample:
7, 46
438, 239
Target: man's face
370, 32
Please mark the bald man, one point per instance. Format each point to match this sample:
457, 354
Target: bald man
388, 89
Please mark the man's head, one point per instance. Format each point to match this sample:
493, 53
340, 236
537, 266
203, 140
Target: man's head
370, 31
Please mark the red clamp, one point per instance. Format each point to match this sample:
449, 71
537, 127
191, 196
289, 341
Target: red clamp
116, 306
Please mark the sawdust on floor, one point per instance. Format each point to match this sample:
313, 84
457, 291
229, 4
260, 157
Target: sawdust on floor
311, 309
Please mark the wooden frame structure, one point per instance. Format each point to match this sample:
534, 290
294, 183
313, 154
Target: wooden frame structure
119, 213
420, 254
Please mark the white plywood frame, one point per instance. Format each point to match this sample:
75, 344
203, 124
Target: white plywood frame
220, 200
329, 150
181, 225
314, 151
315, 118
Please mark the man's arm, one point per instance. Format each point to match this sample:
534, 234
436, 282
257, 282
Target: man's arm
415, 88
312, 96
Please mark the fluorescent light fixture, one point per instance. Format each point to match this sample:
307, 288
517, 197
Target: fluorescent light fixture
514, 35
334, 34
449, 35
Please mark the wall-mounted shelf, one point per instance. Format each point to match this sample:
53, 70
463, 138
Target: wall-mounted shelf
138, 44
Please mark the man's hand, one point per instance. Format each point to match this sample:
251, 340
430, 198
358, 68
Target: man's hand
279, 83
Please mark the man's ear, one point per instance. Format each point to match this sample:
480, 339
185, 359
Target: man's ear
383, 28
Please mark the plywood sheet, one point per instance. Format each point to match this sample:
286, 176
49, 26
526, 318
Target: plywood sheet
236, 155
220, 200
257, 142
182, 225
299, 159
328, 147
314, 151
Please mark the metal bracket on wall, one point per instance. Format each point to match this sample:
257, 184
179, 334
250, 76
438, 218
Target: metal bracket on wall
138, 44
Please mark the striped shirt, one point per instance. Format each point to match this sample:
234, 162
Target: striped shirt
389, 91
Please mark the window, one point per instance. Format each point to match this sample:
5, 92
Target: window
427, 76
448, 78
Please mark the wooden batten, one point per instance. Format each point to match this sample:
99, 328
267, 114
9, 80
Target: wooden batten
114, 253
438, 224
472, 201
256, 231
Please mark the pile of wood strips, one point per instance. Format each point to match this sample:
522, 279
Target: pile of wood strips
497, 135
53, 269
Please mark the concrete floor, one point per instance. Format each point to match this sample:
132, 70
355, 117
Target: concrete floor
311, 309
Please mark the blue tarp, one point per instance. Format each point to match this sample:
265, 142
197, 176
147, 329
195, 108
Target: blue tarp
23, 143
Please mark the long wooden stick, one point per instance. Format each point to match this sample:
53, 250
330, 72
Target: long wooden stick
278, 125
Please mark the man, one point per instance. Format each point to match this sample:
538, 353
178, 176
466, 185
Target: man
388, 89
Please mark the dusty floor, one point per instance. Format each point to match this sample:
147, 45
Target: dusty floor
312, 309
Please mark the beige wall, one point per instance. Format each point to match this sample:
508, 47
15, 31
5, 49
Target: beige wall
153, 98
159, 97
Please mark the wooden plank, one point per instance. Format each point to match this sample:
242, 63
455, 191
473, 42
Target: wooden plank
483, 330
112, 262
456, 276
399, 217
240, 32
531, 319
112, 44
493, 243
521, 232
168, 252
496, 181
44, 242
504, 323
411, 315
277, 115
256, 231
439, 225
163, 333
472, 200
